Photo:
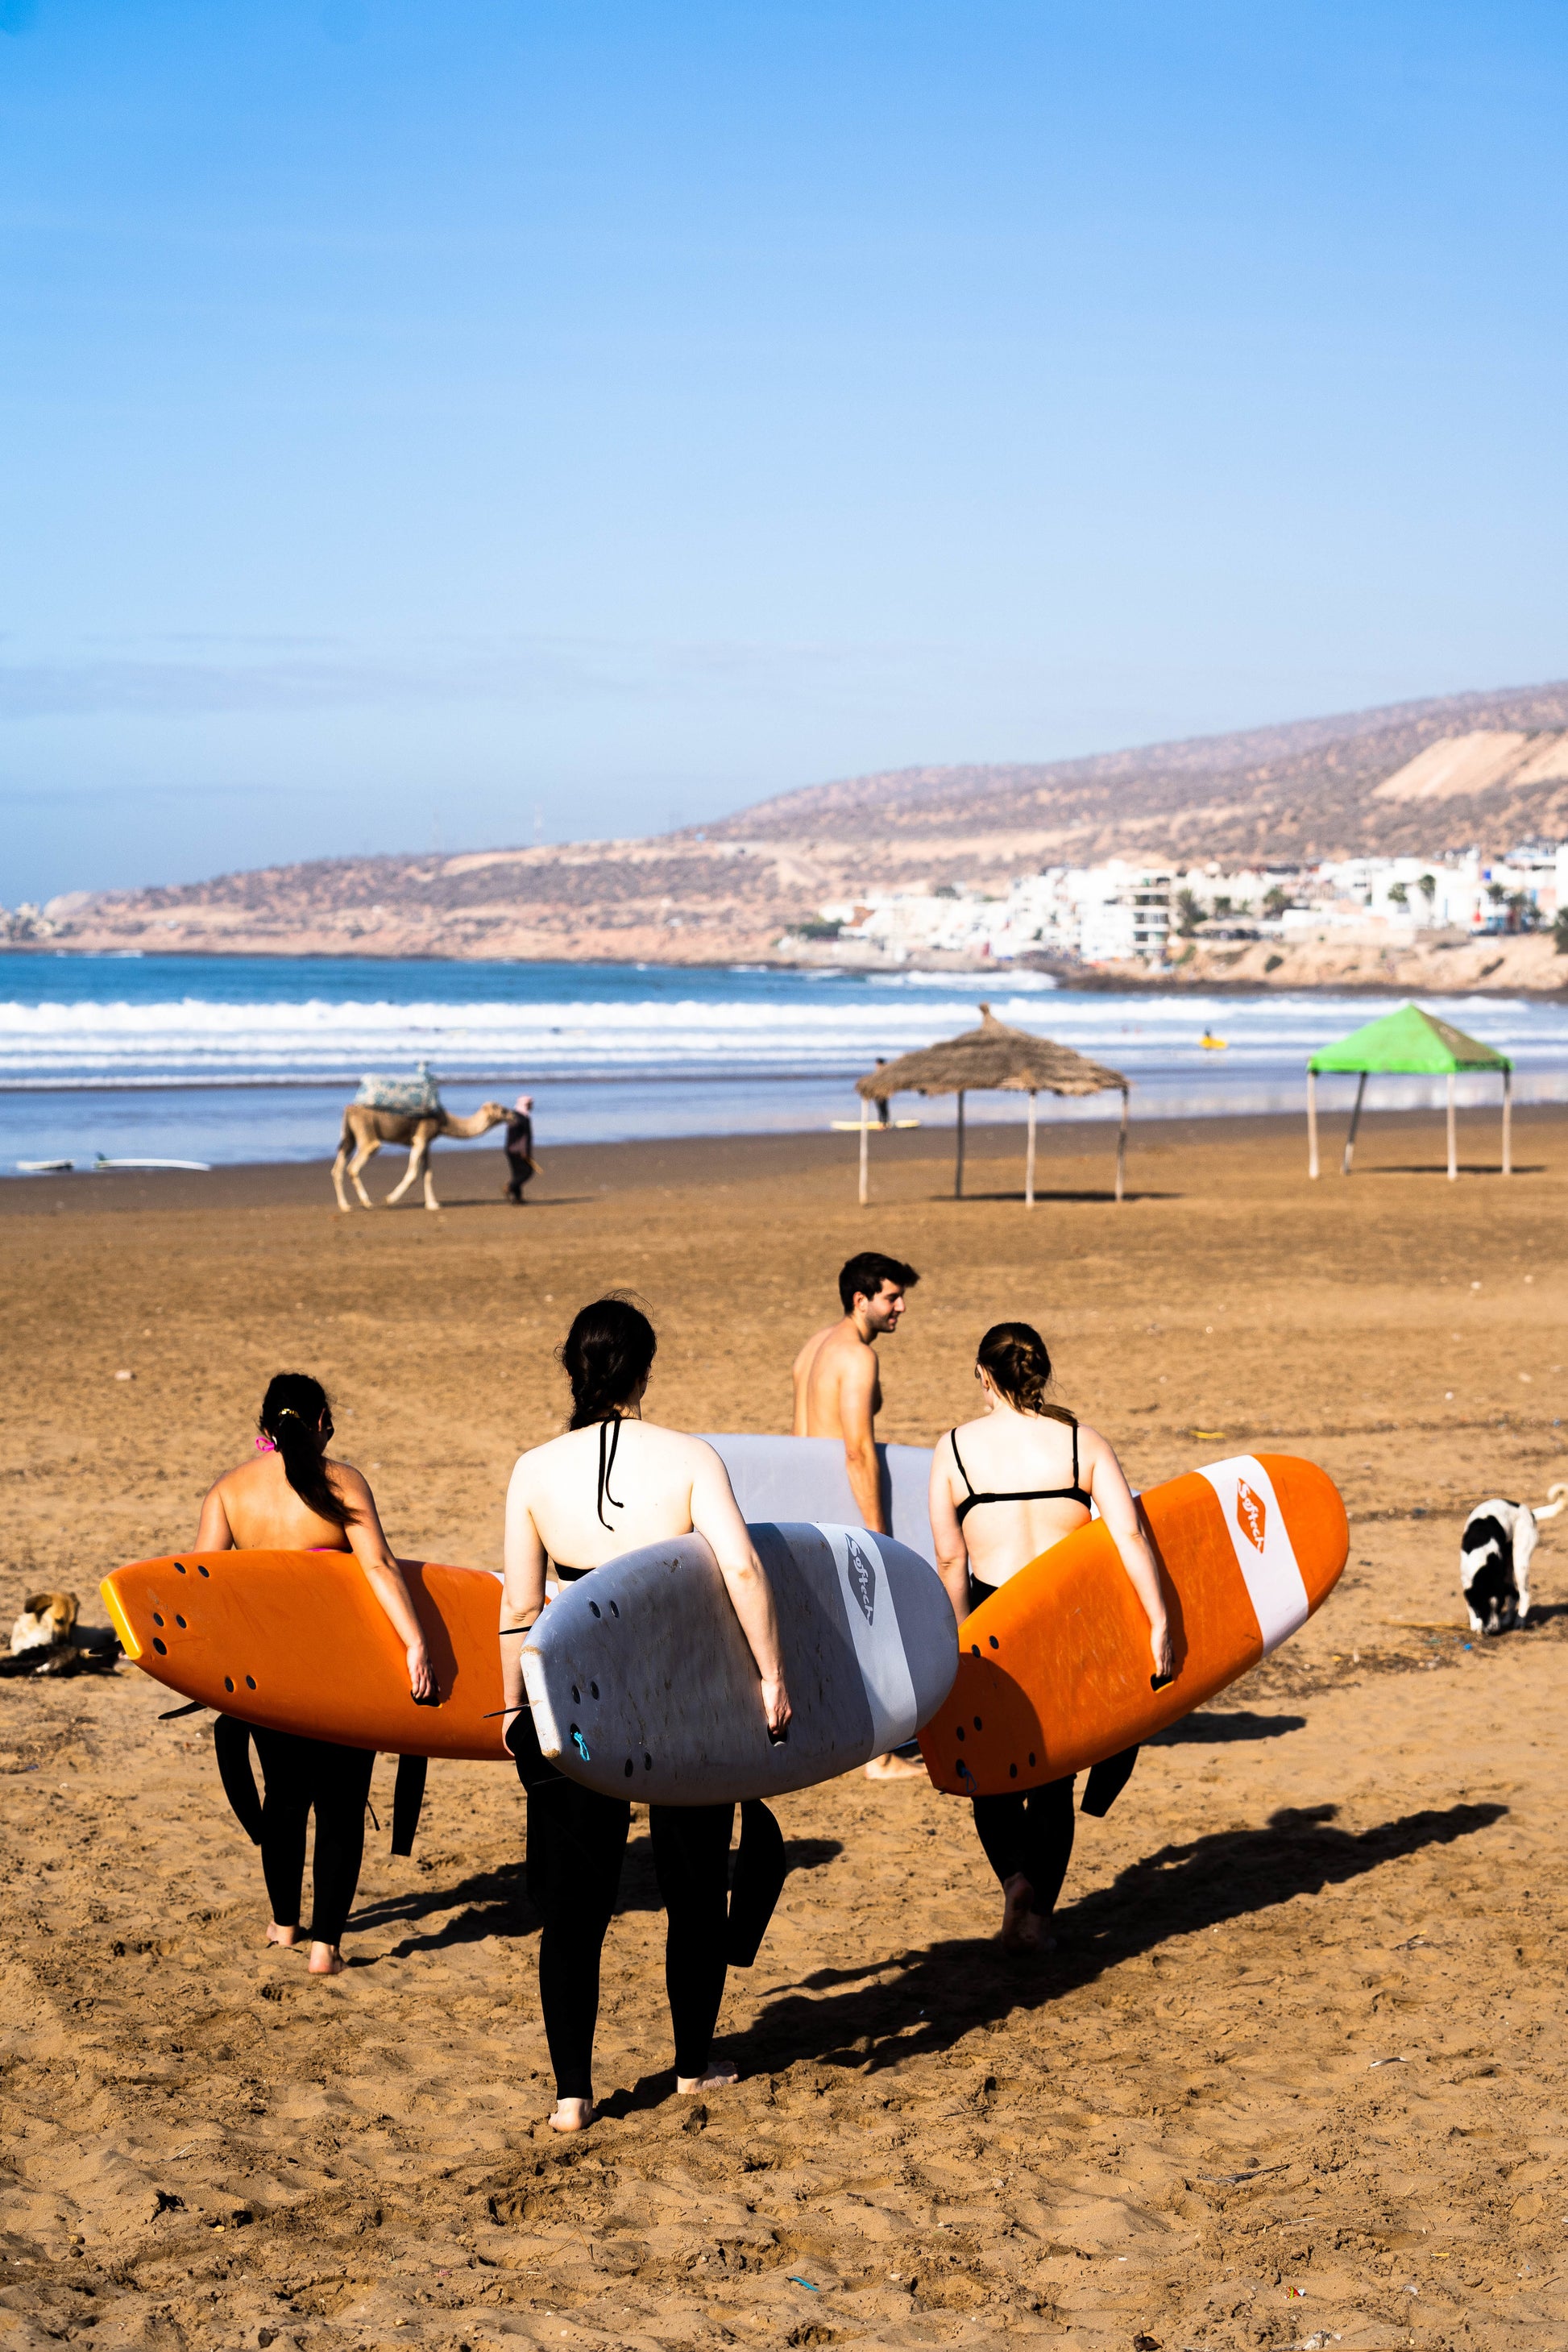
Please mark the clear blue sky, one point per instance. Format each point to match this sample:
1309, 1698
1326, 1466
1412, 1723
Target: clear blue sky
567, 416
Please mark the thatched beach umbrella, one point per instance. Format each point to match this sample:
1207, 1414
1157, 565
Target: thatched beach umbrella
991, 1059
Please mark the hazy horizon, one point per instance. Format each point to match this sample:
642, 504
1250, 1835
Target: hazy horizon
561, 424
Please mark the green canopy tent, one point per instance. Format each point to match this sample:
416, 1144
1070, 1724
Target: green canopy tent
1407, 1043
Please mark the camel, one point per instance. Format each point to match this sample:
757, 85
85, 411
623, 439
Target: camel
366, 1130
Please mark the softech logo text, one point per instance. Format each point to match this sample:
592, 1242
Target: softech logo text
1250, 1515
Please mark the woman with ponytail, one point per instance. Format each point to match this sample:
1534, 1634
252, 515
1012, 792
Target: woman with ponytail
291, 1497
1002, 1490
612, 1482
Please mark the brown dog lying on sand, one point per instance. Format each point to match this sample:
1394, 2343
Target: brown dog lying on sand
46, 1639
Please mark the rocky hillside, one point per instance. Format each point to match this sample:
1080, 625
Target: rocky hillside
1426, 777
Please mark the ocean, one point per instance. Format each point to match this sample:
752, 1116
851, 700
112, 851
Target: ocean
244, 1058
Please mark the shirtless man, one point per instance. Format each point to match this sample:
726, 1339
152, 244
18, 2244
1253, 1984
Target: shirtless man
838, 1393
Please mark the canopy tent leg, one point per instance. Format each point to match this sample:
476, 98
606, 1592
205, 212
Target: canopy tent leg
1507, 1122
1355, 1122
1121, 1148
958, 1161
864, 1151
1453, 1144
1312, 1121
1030, 1157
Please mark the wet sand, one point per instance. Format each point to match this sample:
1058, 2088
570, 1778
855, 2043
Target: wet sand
1294, 2075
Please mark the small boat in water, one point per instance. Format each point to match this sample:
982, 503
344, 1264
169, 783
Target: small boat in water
45, 1167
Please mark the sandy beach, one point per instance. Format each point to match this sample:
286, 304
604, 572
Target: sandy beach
1294, 2075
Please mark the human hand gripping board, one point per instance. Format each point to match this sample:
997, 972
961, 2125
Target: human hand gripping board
1054, 1670
297, 1641
642, 1684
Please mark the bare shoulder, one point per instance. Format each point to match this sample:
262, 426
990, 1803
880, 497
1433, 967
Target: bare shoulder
348, 1480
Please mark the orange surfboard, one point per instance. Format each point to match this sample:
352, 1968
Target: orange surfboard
1054, 1670
296, 1640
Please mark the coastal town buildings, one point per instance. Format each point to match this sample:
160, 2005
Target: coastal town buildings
1121, 913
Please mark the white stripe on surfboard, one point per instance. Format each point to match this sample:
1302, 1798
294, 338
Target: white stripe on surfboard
874, 1627
1261, 1542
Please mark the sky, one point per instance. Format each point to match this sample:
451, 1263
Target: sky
545, 419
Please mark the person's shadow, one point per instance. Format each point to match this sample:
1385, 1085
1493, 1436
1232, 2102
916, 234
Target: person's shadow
932, 1997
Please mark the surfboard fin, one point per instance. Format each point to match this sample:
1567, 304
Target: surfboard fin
1106, 1781
761, 1868
407, 1797
231, 1739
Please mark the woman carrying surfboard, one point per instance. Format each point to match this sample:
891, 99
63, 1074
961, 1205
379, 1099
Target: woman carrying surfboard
290, 1497
1002, 1490
611, 1483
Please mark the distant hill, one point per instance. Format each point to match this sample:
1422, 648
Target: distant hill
1317, 788
1483, 770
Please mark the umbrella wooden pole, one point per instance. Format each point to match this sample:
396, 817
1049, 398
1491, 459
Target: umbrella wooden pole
958, 1161
1121, 1149
1355, 1122
1507, 1122
864, 1151
1030, 1157
1453, 1143
1312, 1121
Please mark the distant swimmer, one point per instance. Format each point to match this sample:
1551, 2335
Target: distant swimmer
838, 1393
1003, 1489
290, 1497
614, 1481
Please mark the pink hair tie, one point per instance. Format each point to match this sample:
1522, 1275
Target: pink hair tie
265, 1444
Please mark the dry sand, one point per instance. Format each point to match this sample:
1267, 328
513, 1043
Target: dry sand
1294, 2075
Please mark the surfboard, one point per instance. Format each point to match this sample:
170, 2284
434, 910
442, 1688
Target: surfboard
297, 1641
642, 1684
1055, 1671
785, 1479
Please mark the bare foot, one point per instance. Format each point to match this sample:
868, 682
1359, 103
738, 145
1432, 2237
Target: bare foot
716, 2075
284, 1938
325, 1960
1020, 1924
571, 2114
896, 1767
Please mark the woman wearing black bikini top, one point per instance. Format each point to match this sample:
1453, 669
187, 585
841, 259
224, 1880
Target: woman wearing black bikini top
610, 1483
1003, 1489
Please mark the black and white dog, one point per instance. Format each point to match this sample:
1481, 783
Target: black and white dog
1495, 1552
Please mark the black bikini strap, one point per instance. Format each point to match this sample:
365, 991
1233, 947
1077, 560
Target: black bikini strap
1075, 1457
611, 1427
952, 1441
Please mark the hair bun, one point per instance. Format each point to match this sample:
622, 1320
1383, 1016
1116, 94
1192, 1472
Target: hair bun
1019, 1362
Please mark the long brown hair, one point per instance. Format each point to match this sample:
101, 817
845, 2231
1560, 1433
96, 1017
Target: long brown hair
292, 1413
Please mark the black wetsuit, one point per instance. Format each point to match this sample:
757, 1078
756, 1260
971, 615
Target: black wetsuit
1031, 1835
576, 1839
300, 1775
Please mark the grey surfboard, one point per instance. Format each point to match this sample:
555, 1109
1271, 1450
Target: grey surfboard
783, 1478
641, 1684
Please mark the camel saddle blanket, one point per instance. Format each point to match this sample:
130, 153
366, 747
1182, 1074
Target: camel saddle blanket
415, 1096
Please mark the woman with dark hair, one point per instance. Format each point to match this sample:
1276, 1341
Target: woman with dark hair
611, 1483
290, 1497
1003, 1489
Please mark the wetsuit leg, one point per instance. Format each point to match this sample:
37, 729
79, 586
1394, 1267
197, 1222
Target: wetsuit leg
340, 1784
691, 1856
576, 1840
1029, 1835
285, 1808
